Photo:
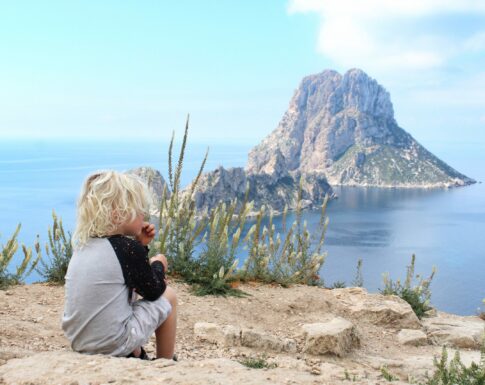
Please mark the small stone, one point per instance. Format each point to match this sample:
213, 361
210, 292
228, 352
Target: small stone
315, 371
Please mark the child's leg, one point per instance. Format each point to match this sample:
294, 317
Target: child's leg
165, 334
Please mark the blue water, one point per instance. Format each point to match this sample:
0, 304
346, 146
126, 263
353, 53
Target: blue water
384, 227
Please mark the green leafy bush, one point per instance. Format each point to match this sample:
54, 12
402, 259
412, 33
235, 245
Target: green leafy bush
7, 252
455, 372
292, 260
59, 251
418, 296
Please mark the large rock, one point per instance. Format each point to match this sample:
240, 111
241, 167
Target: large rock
412, 337
384, 310
227, 335
337, 336
68, 368
344, 128
265, 341
455, 331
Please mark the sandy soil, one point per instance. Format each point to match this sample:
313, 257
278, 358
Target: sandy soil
30, 324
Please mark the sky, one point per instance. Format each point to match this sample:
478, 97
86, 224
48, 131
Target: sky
128, 70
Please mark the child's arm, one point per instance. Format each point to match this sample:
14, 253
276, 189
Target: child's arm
148, 280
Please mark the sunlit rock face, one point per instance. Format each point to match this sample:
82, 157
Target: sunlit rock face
343, 127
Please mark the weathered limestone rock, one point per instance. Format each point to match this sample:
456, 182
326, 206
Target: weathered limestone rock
336, 336
227, 335
385, 310
412, 337
264, 341
225, 185
455, 331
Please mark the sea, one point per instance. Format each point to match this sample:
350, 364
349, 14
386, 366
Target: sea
444, 228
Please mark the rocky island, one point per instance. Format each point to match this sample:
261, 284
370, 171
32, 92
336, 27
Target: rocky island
339, 130
344, 128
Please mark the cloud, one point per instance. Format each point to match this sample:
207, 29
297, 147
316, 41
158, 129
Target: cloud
384, 35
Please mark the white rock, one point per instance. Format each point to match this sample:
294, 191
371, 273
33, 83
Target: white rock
336, 336
384, 310
412, 337
265, 341
456, 331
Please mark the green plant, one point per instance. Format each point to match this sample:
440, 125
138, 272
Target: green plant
179, 229
418, 296
59, 251
481, 313
7, 252
182, 231
388, 376
359, 279
293, 260
257, 363
455, 372
338, 285
214, 268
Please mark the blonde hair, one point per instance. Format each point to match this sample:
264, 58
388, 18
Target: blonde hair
109, 199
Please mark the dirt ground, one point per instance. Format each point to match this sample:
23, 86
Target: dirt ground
30, 317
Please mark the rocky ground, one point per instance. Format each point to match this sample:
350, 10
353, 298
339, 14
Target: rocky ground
306, 335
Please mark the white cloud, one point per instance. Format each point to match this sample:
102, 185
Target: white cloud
377, 35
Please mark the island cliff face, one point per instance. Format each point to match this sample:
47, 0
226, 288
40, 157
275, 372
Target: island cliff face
224, 185
343, 127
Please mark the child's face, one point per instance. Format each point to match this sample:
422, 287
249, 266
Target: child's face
134, 227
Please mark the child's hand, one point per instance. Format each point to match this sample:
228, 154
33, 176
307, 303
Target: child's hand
147, 234
160, 258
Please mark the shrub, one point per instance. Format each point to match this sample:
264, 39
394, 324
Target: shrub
59, 251
338, 285
359, 279
417, 296
357, 282
456, 372
294, 260
257, 363
179, 230
214, 269
387, 375
7, 252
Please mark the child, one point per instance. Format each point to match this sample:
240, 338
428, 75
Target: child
101, 315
